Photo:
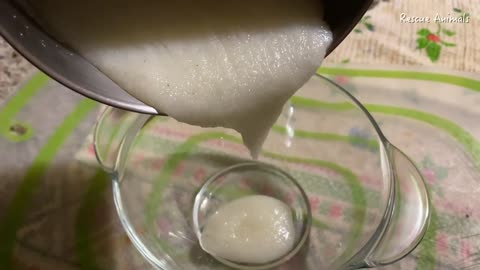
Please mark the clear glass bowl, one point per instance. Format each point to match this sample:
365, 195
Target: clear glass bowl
253, 178
357, 201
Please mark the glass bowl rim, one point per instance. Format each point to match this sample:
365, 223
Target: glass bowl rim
143, 119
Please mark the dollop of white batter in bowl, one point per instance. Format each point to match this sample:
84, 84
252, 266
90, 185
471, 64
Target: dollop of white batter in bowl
254, 229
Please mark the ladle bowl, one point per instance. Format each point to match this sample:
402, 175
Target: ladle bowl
76, 73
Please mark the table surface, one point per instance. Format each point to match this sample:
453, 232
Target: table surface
379, 39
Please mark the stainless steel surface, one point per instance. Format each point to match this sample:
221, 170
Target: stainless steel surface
73, 71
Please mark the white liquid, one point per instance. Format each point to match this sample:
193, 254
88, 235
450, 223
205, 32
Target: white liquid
254, 229
209, 63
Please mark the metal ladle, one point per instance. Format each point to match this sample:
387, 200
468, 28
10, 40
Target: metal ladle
76, 73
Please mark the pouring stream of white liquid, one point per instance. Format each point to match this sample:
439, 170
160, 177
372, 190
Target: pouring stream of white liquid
209, 63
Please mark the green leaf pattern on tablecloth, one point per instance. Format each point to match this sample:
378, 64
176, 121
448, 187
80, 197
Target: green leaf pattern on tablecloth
461, 12
432, 41
365, 25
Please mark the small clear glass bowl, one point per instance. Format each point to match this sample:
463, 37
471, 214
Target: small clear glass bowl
247, 179
359, 202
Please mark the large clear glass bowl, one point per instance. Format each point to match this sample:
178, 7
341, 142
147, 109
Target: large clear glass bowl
357, 200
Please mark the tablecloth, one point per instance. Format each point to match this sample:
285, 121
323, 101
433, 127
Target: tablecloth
393, 33
57, 213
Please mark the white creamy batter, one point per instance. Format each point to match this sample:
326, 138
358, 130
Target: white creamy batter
255, 229
209, 63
